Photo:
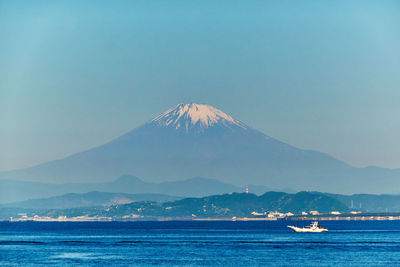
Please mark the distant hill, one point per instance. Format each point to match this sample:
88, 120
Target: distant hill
192, 140
273, 200
93, 198
12, 191
217, 206
369, 202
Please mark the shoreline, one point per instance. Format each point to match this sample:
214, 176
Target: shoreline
343, 217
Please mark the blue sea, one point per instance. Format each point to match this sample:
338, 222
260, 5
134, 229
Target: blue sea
195, 243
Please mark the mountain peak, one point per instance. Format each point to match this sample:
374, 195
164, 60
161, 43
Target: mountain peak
187, 116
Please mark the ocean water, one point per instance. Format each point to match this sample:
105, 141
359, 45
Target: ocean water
194, 243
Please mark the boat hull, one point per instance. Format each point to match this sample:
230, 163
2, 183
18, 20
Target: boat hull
307, 230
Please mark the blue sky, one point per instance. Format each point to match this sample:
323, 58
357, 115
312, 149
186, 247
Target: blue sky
321, 75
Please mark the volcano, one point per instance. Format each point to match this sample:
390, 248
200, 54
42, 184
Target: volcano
196, 140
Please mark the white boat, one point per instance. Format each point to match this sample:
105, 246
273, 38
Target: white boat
312, 228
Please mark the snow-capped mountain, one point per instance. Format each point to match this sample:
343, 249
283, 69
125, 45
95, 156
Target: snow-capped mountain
193, 140
195, 117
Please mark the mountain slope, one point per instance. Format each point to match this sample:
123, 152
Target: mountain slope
198, 140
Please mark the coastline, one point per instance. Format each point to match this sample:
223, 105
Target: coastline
322, 217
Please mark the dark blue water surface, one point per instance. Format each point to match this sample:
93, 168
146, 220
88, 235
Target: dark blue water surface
359, 243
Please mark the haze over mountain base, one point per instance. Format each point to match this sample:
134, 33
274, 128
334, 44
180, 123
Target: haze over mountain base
12, 190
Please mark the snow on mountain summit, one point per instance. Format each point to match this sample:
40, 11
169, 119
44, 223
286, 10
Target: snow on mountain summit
187, 116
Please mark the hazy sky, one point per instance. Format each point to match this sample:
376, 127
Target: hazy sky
322, 75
